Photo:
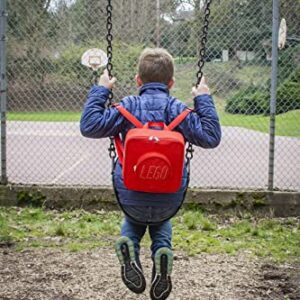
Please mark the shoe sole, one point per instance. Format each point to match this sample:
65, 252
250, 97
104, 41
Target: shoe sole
131, 273
163, 261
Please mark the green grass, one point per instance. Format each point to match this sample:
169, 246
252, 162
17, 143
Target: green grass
287, 124
254, 74
36, 227
194, 232
62, 116
278, 239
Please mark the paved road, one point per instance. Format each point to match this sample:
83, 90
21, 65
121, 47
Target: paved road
56, 153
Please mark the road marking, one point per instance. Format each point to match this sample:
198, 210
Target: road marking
54, 181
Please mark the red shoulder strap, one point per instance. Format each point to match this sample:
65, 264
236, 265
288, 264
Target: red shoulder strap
130, 117
119, 148
179, 119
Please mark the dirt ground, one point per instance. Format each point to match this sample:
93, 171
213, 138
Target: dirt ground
56, 275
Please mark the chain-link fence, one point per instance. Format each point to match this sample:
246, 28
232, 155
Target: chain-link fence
47, 86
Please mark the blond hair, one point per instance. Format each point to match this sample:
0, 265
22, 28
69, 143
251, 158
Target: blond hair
156, 65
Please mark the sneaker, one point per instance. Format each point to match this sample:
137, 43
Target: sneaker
161, 277
131, 270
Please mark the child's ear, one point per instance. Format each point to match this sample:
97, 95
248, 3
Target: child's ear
138, 80
171, 83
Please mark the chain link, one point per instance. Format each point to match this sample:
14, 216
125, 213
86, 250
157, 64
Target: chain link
189, 154
189, 151
95, 77
112, 154
109, 67
109, 39
203, 42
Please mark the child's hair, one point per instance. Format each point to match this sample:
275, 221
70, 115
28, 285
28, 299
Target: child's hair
156, 65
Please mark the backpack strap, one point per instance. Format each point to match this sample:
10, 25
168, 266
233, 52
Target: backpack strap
130, 117
119, 148
179, 119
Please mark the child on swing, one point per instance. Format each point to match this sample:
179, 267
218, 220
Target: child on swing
201, 127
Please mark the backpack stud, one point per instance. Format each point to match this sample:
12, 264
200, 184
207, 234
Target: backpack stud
154, 138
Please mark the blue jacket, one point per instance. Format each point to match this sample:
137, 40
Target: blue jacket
201, 128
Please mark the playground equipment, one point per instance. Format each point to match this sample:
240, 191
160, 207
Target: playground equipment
97, 58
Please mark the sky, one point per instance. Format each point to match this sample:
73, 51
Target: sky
53, 3
185, 6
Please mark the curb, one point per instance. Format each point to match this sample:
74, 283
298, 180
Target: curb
278, 203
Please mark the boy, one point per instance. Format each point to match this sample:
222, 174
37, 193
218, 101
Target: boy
201, 127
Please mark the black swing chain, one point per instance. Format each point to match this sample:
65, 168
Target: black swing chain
189, 154
109, 38
203, 42
109, 67
190, 151
95, 77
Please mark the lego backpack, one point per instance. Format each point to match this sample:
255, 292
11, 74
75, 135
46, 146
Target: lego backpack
152, 155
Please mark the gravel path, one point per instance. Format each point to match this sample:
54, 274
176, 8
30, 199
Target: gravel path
55, 275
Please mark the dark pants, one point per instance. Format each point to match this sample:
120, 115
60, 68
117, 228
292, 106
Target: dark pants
161, 234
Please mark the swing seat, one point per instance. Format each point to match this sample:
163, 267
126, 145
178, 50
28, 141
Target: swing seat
171, 201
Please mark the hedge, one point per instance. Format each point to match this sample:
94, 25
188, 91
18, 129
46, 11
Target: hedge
253, 101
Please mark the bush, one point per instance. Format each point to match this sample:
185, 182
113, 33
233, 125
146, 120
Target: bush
253, 101
288, 94
288, 62
248, 102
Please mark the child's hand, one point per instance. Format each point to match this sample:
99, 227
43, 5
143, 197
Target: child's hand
105, 81
201, 89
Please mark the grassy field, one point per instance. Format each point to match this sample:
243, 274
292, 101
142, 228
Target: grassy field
194, 232
61, 116
287, 124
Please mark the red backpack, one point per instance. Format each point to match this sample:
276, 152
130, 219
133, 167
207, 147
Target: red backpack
152, 156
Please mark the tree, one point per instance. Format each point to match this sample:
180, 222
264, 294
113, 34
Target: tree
27, 17
29, 25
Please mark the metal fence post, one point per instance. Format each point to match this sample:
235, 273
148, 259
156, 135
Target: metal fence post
273, 92
3, 88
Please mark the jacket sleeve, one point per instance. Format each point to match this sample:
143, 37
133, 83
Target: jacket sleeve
202, 127
96, 120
